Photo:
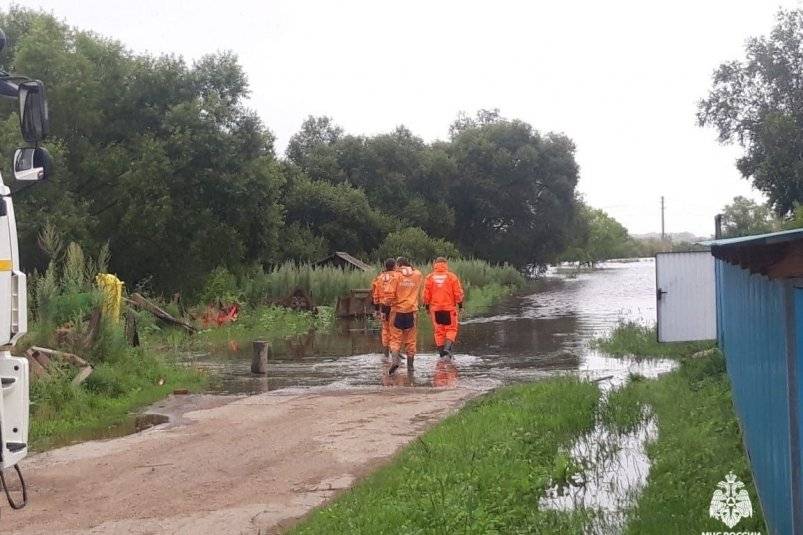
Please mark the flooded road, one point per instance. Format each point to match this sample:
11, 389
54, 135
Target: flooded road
322, 419
524, 338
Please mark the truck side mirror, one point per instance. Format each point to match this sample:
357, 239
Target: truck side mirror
32, 164
34, 117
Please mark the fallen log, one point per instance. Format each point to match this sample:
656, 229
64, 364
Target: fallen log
83, 373
75, 360
39, 359
139, 301
36, 369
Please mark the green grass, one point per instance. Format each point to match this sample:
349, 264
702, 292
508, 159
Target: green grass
325, 284
699, 443
480, 471
631, 338
260, 323
699, 440
481, 298
62, 413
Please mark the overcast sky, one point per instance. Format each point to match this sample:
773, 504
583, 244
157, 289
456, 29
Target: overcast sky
622, 78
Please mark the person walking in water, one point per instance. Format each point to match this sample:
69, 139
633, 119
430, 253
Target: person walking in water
403, 311
443, 296
382, 293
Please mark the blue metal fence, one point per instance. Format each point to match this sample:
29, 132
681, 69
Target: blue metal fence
757, 327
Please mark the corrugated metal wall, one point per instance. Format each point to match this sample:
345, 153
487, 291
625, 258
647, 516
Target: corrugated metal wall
752, 318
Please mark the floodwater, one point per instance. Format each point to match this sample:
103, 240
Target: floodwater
522, 339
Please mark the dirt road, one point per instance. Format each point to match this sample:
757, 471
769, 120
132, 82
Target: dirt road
245, 466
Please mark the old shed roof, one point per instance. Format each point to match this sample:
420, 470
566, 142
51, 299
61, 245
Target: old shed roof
345, 257
758, 239
776, 255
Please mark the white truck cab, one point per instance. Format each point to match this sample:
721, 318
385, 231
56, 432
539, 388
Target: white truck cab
31, 164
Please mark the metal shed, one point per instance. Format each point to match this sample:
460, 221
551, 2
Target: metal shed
759, 314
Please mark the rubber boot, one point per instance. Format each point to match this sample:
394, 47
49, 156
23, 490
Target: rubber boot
447, 349
410, 364
394, 363
441, 352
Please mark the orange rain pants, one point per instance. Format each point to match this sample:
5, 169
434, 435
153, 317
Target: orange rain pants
444, 332
384, 325
403, 339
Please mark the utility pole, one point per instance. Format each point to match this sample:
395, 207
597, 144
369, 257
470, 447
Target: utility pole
663, 229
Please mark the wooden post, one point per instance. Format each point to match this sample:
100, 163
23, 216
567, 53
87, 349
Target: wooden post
259, 362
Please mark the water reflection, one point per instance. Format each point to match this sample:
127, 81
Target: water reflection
612, 463
522, 339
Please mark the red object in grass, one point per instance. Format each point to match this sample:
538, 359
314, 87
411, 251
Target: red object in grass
219, 316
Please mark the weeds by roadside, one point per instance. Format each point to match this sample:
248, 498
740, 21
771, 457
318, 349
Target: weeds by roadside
123, 378
631, 338
699, 440
480, 471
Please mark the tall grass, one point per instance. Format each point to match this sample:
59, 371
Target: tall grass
324, 284
123, 378
631, 338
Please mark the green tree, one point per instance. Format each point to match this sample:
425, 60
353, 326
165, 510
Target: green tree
160, 159
758, 103
600, 237
744, 217
331, 218
513, 193
416, 245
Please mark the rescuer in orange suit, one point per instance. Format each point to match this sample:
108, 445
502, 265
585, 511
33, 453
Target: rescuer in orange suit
382, 293
443, 296
403, 311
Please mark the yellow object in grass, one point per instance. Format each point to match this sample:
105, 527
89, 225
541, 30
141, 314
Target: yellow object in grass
112, 289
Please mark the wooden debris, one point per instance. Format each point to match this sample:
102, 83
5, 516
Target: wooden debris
139, 301
259, 361
40, 359
600, 379
35, 368
704, 353
94, 328
131, 331
75, 360
83, 373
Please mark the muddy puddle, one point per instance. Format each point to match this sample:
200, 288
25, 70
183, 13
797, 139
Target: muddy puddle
524, 338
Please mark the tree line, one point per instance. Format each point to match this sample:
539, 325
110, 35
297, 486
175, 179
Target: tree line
164, 161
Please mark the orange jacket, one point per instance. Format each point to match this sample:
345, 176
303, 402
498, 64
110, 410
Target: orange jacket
442, 288
382, 288
406, 289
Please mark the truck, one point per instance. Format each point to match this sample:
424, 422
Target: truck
31, 163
